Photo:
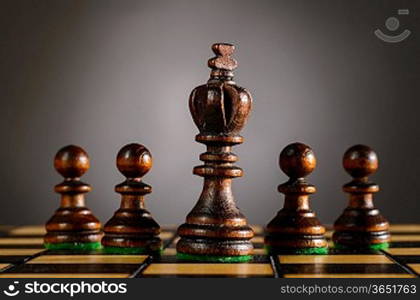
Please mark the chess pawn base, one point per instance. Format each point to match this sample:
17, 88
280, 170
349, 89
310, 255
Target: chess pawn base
132, 231
296, 230
73, 226
296, 233
360, 228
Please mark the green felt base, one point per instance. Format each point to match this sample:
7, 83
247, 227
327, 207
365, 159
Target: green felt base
309, 251
375, 247
214, 258
74, 246
128, 250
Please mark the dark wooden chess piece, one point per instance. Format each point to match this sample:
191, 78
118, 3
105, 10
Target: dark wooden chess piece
73, 226
215, 229
295, 228
132, 228
361, 225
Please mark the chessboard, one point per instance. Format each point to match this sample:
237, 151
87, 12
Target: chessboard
22, 256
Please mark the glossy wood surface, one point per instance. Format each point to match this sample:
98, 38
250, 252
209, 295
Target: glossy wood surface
296, 226
361, 224
220, 109
132, 225
72, 222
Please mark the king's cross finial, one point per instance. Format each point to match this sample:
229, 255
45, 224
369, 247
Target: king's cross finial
223, 59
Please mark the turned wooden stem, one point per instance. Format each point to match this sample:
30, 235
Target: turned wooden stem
220, 108
296, 202
72, 200
361, 201
132, 202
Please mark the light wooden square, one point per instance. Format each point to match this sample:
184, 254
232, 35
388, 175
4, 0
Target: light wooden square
28, 230
169, 251
403, 251
21, 241
19, 252
405, 238
209, 269
259, 251
165, 235
328, 234
404, 228
415, 267
257, 239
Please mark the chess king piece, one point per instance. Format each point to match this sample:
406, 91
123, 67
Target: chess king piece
361, 225
73, 226
295, 228
132, 228
215, 229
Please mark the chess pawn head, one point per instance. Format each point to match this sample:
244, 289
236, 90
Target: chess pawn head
295, 228
297, 160
132, 230
71, 162
361, 225
73, 226
360, 161
134, 160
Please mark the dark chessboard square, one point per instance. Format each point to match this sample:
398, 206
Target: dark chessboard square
407, 259
405, 244
75, 268
172, 259
258, 246
122, 264
13, 259
4, 230
341, 269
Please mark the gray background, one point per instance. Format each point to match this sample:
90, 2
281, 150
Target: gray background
101, 74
